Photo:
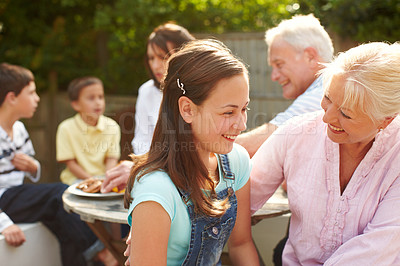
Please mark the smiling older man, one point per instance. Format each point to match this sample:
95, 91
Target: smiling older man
296, 49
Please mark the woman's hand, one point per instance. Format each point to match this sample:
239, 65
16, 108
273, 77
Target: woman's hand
14, 235
117, 177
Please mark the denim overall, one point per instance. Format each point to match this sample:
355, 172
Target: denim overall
210, 234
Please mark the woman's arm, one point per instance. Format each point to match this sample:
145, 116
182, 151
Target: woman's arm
110, 162
117, 177
252, 140
149, 234
241, 246
267, 173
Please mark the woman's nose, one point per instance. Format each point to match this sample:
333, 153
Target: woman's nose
158, 63
329, 115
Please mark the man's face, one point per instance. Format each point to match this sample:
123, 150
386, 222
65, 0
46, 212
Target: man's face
291, 68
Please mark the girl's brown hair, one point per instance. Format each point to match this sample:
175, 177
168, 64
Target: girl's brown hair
199, 65
170, 33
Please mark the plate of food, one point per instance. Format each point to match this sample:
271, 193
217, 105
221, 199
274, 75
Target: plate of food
91, 188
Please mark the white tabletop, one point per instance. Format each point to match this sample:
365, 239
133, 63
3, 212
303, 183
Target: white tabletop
111, 209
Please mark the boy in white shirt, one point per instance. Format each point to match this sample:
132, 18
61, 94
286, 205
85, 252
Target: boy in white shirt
27, 203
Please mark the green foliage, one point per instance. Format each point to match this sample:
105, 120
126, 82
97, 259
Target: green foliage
361, 21
107, 38
49, 35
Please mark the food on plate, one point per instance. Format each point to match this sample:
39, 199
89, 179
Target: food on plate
93, 185
90, 185
115, 189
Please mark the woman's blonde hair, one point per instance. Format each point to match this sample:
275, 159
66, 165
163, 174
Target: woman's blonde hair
372, 79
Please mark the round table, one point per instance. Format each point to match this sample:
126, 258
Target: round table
96, 210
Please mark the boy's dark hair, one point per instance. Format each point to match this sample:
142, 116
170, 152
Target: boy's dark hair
13, 78
75, 86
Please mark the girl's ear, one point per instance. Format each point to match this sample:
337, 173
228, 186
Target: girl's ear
186, 109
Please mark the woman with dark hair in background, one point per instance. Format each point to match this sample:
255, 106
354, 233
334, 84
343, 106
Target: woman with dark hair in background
162, 42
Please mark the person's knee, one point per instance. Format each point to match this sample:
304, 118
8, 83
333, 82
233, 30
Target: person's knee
57, 189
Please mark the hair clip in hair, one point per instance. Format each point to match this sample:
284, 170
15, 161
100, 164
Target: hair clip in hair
180, 86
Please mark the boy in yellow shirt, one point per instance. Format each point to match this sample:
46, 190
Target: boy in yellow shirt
88, 143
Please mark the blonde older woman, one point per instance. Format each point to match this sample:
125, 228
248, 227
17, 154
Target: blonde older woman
342, 165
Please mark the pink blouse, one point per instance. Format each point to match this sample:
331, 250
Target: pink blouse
359, 227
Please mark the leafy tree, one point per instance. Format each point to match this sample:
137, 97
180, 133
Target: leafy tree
129, 25
65, 39
49, 37
361, 21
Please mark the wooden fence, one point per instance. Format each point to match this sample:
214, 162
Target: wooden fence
266, 98
266, 102
53, 109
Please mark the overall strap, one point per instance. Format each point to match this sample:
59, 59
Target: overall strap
184, 195
228, 175
226, 169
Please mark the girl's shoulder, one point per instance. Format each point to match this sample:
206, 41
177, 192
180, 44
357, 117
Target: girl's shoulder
156, 183
155, 178
238, 154
157, 187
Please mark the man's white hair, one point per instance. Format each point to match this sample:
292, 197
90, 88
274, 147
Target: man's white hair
302, 31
